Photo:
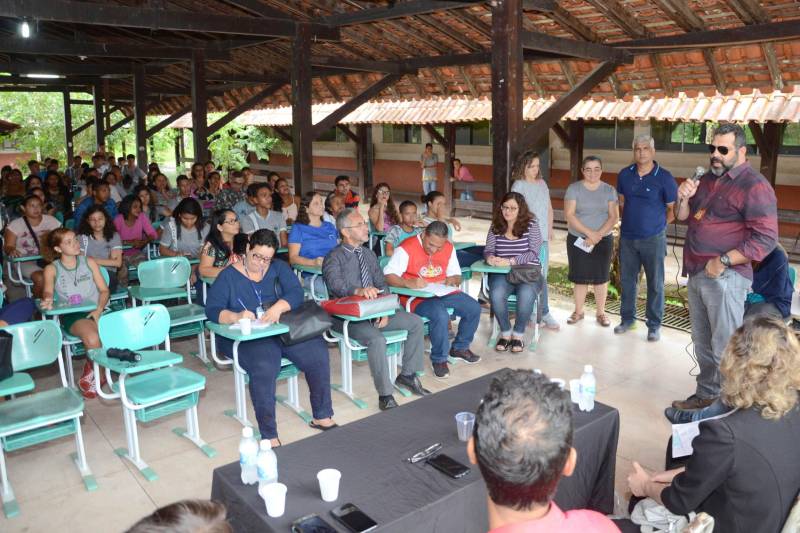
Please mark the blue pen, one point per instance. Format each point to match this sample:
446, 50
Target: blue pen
242, 304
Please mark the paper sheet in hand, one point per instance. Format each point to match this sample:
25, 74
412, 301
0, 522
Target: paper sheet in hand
684, 434
581, 243
440, 289
255, 324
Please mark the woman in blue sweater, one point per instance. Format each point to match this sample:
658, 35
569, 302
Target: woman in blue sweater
247, 289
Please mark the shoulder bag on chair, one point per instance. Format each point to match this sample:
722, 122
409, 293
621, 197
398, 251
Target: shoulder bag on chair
524, 274
305, 322
6, 341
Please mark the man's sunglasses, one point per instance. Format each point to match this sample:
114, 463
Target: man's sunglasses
723, 150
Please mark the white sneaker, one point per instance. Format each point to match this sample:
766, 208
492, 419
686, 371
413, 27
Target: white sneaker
550, 323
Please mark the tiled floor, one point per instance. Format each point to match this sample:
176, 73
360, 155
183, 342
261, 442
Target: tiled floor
636, 377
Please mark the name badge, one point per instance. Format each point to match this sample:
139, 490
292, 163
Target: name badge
259, 312
700, 214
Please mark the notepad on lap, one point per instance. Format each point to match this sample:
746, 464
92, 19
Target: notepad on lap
440, 289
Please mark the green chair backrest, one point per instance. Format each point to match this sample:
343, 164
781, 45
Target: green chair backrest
35, 344
104, 273
384, 260
164, 273
136, 328
792, 275
70, 223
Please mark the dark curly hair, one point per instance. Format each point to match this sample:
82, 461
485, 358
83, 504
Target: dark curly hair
302, 211
524, 216
391, 210
85, 229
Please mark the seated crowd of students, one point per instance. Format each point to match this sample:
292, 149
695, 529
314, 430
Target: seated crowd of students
247, 235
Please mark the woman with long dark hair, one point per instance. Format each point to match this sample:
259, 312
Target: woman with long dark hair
98, 239
513, 239
382, 211
217, 252
134, 229
283, 200
185, 231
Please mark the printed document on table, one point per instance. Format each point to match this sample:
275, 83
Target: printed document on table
581, 243
684, 434
440, 289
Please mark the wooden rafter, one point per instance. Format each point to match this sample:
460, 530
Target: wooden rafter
351, 105
772, 64
468, 82
566, 69
331, 88
528, 70
436, 75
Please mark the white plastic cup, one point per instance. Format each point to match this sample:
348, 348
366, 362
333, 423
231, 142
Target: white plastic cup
246, 325
561, 383
274, 495
575, 390
329, 484
465, 422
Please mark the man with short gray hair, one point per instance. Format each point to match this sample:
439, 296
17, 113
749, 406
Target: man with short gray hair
732, 218
350, 269
647, 194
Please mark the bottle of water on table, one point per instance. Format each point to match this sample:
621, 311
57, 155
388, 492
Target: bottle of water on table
588, 389
248, 453
266, 464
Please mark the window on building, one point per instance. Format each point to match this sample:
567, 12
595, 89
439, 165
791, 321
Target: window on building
474, 134
608, 134
402, 133
333, 135
680, 136
790, 143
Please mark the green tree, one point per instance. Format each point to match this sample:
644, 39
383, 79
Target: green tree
230, 146
41, 117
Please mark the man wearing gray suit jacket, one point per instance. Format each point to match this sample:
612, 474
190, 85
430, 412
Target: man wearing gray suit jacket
351, 269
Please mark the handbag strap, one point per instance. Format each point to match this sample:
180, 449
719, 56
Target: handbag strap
33, 233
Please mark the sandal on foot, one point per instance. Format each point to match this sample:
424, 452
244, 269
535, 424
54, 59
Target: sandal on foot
603, 320
321, 427
517, 346
502, 345
574, 318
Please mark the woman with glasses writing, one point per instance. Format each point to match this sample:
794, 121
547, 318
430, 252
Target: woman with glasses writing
592, 211
250, 289
217, 252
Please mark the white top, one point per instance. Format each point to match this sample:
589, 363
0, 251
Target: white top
398, 264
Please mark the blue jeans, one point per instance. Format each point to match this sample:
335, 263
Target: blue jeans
428, 186
18, 311
649, 253
262, 360
499, 291
435, 309
467, 256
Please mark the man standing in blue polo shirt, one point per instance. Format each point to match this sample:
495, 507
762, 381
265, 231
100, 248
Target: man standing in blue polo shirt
647, 194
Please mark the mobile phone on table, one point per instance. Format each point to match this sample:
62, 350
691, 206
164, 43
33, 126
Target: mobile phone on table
312, 523
354, 518
448, 466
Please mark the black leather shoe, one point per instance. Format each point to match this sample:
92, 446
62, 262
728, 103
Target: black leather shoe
412, 383
386, 402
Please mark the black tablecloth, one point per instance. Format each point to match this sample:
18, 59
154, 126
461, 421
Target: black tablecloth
403, 497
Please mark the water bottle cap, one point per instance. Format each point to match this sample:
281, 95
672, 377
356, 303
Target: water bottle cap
588, 368
247, 432
265, 445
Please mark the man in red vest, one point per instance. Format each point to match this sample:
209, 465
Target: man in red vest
430, 258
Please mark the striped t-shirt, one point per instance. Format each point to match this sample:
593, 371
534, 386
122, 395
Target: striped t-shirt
524, 250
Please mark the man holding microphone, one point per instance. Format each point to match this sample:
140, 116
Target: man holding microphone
732, 220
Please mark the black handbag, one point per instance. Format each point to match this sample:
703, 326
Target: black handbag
524, 274
6, 341
305, 322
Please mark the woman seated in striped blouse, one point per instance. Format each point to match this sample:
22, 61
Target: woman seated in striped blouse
513, 239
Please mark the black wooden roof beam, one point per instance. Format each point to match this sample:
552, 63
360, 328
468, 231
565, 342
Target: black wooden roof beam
115, 15
43, 47
542, 42
753, 33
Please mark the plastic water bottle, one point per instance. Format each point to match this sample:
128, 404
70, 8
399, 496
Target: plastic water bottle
248, 453
266, 464
588, 389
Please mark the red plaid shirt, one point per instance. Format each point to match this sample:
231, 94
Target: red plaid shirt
741, 213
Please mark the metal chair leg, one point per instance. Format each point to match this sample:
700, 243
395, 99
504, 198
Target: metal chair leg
79, 458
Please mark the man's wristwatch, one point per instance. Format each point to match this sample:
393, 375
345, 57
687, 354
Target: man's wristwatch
725, 260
